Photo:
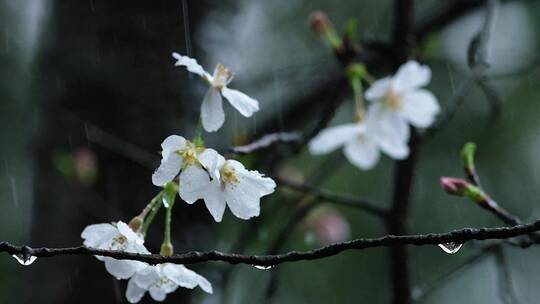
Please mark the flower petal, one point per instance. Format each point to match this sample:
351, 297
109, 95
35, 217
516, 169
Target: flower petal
185, 277
243, 103
243, 196
133, 292
396, 150
212, 114
194, 182
130, 235
191, 65
122, 269
411, 75
147, 276
157, 294
214, 200
332, 138
362, 152
97, 234
378, 89
172, 143
212, 161
387, 124
420, 107
389, 130
168, 170
253, 179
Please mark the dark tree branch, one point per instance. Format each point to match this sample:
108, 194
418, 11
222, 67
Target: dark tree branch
457, 236
338, 199
403, 40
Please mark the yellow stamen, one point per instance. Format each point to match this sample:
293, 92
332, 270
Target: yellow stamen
189, 154
221, 76
392, 100
228, 175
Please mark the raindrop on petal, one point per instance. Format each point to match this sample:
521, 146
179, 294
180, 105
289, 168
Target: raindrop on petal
24, 260
450, 248
260, 267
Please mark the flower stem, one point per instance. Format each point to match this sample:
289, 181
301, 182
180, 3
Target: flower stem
169, 196
197, 140
358, 91
155, 205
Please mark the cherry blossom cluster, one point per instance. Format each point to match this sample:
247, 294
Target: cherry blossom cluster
395, 102
194, 173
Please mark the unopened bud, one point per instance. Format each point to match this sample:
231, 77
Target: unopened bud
321, 25
135, 223
454, 186
467, 154
460, 187
166, 249
319, 22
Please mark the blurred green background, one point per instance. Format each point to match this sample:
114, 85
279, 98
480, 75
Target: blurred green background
277, 59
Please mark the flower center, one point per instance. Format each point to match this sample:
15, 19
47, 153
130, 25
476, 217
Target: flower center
228, 175
392, 100
189, 154
222, 75
162, 281
118, 243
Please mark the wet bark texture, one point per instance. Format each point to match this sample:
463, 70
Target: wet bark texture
108, 64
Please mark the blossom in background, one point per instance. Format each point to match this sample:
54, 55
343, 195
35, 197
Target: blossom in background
226, 183
212, 114
328, 225
397, 101
160, 280
119, 237
178, 153
358, 144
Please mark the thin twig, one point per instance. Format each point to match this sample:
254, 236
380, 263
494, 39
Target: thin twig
506, 290
268, 140
451, 107
457, 236
338, 199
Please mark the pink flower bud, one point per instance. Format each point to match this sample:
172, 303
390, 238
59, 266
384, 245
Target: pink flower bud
454, 186
319, 22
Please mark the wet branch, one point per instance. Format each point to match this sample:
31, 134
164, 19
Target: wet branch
192, 257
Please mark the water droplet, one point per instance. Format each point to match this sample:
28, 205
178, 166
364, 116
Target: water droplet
260, 267
24, 259
165, 201
450, 248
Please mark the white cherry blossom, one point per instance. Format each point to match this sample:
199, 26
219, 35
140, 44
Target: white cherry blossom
399, 100
160, 280
359, 146
118, 236
178, 154
227, 182
212, 114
